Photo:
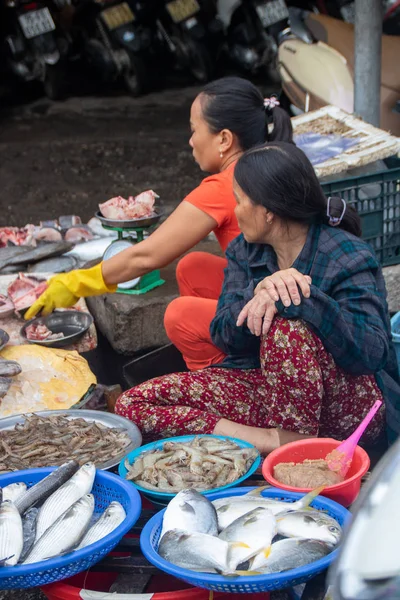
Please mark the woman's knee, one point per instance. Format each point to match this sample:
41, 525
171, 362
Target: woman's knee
188, 265
175, 316
289, 337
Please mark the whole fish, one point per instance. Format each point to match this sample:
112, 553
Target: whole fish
62, 499
11, 537
14, 491
191, 512
90, 250
231, 508
29, 531
252, 533
113, 516
310, 524
5, 384
290, 554
9, 368
195, 551
44, 488
58, 264
65, 532
36, 254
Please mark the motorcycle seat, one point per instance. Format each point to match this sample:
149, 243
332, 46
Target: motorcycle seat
340, 36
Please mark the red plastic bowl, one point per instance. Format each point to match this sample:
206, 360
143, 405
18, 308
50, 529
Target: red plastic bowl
345, 492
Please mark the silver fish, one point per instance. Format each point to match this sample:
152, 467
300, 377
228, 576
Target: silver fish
9, 368
310, 524
195, 551
62, 499
29, 531
58, 264
11, 537
14, 491
90, 250
290, 554
252, 533
34, 255
192, 512
113, 516
44, 488
231, 508
65, 532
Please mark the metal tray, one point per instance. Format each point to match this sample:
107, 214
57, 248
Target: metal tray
130, 224
105, 418
72, 323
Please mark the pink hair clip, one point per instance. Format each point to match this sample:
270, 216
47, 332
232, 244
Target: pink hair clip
271, 102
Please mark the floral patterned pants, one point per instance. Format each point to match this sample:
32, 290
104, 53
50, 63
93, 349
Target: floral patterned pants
298, 388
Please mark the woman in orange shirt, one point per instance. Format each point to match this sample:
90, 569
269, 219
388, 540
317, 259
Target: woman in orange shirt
228, 117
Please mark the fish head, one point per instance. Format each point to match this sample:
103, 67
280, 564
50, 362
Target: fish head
115, 509
9, 510
88, 470
315, 525
87, 501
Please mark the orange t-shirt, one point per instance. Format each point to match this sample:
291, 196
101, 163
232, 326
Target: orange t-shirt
214, 196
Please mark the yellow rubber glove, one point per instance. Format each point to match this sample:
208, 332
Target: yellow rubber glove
64, 290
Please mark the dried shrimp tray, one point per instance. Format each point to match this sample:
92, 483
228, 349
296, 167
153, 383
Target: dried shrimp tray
102, 419
374, 144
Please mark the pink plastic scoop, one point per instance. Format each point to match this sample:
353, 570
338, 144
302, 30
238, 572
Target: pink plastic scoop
339, 460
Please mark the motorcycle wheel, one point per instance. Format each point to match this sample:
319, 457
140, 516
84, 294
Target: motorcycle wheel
136, 78
199, 60
53, 83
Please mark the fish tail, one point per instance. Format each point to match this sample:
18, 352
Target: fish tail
258, 490
308, 498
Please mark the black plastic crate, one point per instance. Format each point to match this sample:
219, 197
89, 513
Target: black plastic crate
377, 200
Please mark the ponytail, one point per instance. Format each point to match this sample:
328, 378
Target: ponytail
237, 104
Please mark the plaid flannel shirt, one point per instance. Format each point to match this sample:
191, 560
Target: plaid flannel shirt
347, 308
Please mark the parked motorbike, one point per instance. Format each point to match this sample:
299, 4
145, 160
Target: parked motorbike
345, 10
114, 41
251, 29
316, 66
33, 46
189, 36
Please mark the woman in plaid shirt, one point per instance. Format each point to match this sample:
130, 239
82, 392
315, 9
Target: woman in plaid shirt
302, 320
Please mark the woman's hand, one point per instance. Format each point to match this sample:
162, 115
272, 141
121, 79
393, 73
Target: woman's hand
284, 285
259, 312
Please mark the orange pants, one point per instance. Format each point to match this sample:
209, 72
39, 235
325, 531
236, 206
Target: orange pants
187, 319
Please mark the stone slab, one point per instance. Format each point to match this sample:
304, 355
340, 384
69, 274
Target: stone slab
135, 324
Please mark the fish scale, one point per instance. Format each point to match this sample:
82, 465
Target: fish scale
11, 536
65, 532
61, 500
111, 518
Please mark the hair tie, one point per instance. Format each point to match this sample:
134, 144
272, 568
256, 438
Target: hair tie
270, 103
335, 221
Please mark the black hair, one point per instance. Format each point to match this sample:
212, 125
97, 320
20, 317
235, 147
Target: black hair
280, 177
236, 104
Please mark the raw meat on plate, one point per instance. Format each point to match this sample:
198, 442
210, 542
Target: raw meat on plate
135, 207
25, 290
38, 333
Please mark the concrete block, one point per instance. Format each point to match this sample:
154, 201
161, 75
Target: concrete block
392, 280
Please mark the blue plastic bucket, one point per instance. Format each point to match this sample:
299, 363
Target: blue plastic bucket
395, 325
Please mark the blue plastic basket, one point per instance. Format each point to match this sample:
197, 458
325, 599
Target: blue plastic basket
107, 487
395, 326
164, 498
243, 584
